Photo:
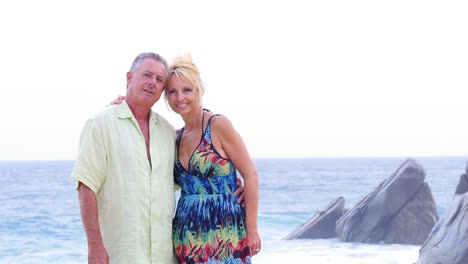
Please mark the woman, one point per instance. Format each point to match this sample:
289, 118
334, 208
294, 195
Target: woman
209, 225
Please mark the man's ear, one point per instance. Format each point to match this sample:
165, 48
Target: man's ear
129, 77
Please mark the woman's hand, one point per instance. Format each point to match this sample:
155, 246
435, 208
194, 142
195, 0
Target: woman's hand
255, 243
117, 101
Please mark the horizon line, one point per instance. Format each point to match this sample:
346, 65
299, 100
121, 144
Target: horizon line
289, 157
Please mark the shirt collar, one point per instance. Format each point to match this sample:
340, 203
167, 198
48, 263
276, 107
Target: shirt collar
123, 111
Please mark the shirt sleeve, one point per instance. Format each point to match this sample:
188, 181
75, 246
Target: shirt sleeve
90, 167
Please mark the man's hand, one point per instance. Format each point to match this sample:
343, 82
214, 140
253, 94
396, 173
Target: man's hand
240, 192
97, 255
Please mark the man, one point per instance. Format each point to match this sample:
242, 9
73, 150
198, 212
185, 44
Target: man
124, 173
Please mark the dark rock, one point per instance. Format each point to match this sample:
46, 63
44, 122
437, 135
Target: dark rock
462, 186
448, 240
322, 224
417, 218
400, 210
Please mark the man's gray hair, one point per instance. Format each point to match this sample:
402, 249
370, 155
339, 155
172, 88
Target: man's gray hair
148, 55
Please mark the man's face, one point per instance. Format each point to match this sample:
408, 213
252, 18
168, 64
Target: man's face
145, 85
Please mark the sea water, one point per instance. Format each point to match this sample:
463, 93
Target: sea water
40, 219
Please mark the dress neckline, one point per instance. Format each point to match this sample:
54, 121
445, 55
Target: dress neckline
179, 138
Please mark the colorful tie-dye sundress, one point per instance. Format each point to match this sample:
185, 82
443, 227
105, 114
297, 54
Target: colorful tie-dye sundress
209, 224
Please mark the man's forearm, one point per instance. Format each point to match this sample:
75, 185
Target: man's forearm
89, 216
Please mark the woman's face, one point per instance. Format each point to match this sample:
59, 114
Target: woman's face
182, 97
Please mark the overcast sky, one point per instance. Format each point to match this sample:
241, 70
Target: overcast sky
296, 78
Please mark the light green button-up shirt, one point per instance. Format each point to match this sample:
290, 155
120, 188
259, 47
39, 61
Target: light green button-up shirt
135, 198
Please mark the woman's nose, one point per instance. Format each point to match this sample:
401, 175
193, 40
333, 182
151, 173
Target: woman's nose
179, 96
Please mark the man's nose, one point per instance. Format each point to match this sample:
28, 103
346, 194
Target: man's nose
152, 81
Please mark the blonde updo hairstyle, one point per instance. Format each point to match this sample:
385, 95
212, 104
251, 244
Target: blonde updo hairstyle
183, 67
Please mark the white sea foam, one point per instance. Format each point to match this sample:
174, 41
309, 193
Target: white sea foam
333, 251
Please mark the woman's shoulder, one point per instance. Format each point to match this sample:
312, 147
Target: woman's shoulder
221, 123
218, 119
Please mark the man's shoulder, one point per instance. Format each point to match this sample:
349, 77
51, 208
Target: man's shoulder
106, 115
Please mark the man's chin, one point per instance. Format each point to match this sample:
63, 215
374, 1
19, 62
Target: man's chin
150, 101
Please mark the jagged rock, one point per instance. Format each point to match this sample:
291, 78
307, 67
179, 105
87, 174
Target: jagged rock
415, 221
448, 241
400, 210
462, 186
322, 224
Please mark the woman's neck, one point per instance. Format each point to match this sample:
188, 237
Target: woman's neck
193, 120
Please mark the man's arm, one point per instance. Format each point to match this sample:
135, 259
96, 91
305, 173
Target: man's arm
97, 253
240, 192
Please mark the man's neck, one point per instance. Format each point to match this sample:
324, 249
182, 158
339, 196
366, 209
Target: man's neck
140, 113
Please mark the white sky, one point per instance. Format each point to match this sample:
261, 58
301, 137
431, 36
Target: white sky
296, 78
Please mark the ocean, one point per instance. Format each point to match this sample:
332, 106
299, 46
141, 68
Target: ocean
40, 219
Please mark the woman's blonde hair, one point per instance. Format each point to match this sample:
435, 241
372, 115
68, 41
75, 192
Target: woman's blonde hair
183, 67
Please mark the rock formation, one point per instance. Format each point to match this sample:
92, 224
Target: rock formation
448, 241
400, 210
462, 186
322, 224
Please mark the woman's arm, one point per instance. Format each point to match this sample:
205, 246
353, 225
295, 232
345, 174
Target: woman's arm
230, 144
